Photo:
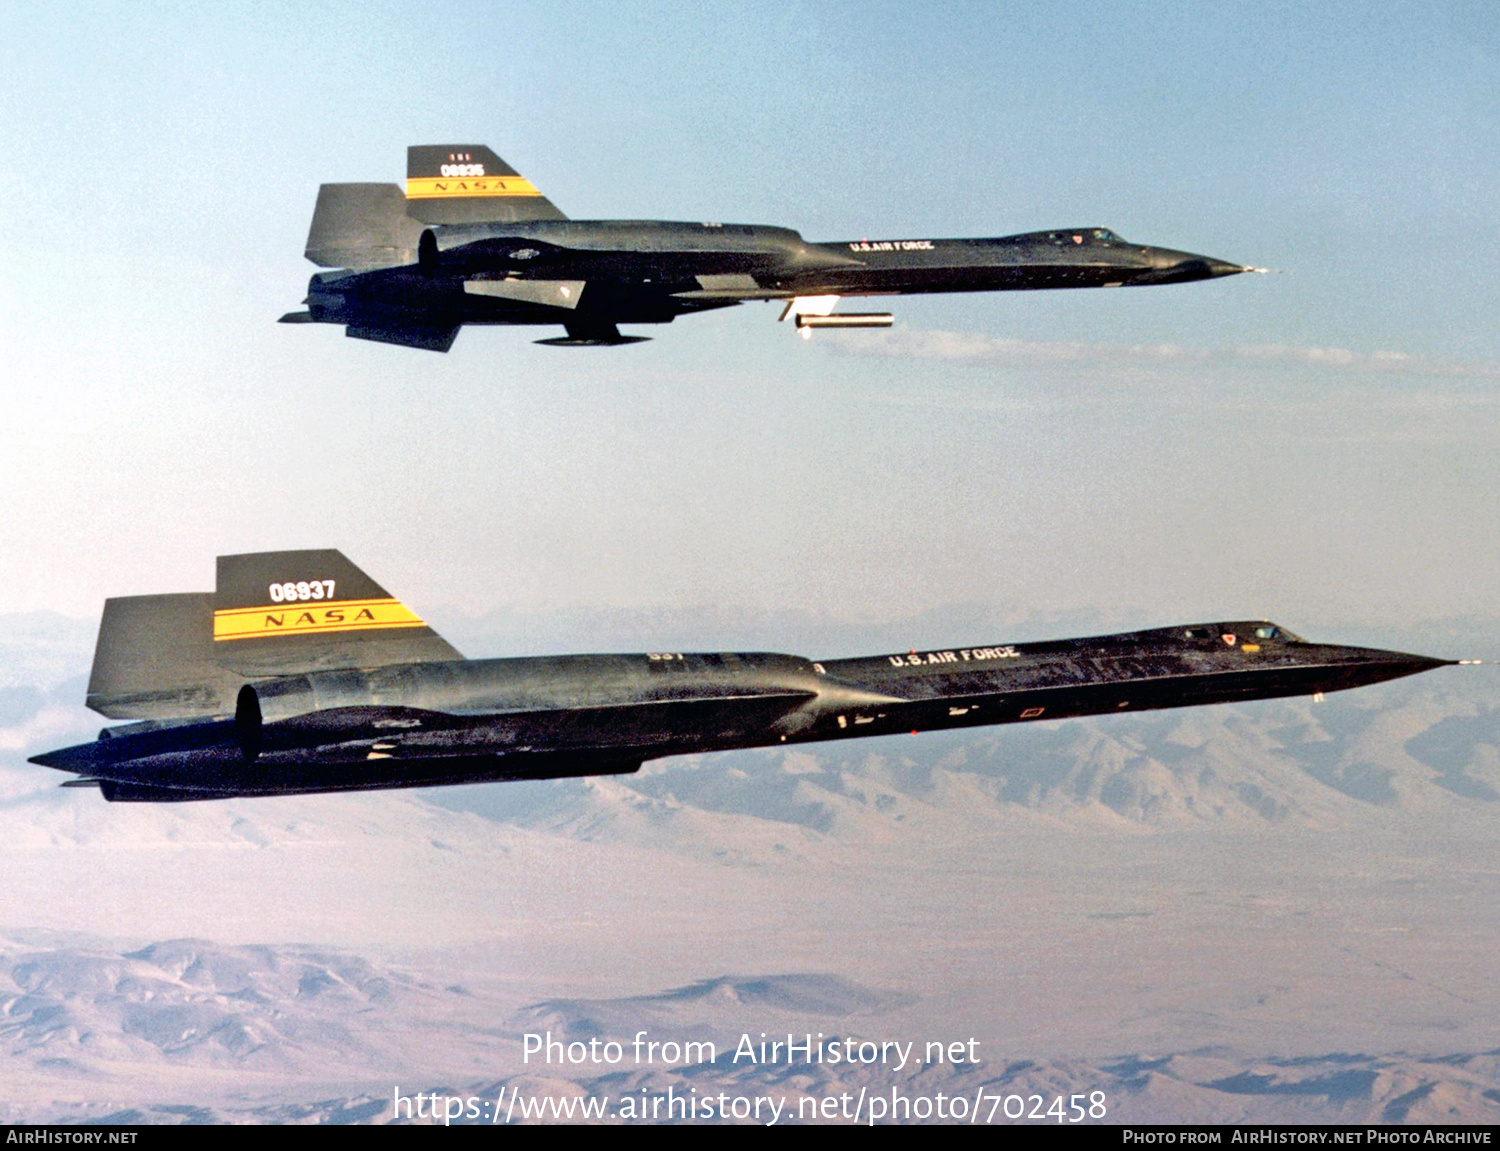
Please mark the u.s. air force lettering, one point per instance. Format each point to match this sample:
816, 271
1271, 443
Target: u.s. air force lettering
963, 655
891, 246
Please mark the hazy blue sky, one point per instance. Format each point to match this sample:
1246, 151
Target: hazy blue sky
1155, 455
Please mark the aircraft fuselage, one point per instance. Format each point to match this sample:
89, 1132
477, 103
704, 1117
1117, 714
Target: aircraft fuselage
471, 241
483, 720
603, 272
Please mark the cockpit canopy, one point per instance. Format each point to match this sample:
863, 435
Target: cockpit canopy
1252, 631
1085, 238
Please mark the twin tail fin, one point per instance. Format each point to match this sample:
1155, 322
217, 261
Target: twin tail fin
271, 614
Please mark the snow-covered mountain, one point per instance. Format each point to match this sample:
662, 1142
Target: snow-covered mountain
186, 1031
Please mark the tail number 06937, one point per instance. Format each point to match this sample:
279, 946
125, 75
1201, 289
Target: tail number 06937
301, 590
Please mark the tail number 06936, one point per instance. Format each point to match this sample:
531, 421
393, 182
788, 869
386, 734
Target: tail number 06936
301, 590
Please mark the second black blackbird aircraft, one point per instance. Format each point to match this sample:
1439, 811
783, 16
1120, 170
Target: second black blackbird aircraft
470, 241
299, 673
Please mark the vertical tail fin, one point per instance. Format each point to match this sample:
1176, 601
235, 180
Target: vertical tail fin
154, 659
281, 613
362, 226
366, 226
469, 184
273, 614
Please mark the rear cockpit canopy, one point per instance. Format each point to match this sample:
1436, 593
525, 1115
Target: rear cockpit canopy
1253, 631
1078, 238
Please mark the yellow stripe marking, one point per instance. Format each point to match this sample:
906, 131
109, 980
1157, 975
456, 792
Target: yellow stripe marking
309, 618
429, 188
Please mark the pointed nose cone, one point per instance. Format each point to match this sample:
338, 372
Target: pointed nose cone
1169, 267
1376, 666
1217, 268
1408, 664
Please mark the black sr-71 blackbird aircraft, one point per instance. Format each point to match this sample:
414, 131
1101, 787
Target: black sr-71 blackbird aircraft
301, 674
472, 242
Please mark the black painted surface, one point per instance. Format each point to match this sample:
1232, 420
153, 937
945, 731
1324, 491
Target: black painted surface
419, 724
